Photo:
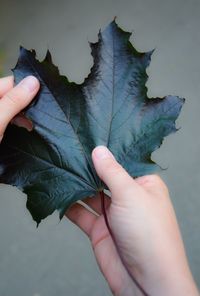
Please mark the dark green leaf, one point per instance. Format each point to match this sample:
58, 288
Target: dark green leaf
52, 163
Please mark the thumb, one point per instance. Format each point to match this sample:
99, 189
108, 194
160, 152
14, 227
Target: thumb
112, 173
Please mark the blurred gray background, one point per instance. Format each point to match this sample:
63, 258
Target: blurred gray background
56, 258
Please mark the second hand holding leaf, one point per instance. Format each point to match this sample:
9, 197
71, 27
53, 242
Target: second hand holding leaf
146, 232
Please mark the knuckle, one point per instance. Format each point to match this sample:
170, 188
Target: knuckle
10, 98
154, 181
16, 96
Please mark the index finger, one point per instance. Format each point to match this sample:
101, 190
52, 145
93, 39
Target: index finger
6, 83
16, 100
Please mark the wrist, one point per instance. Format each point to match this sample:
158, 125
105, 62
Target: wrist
171, 281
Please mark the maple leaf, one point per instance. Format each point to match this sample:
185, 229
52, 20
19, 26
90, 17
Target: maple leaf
52, 163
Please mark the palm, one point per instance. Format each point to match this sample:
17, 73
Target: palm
107, 257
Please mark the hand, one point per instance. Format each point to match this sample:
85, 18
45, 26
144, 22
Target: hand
144, 225
15, 99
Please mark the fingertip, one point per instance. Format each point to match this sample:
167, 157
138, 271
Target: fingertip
31, 83
101, 152
16, 99
101, 157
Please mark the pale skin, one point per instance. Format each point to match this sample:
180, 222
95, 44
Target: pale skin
139, 211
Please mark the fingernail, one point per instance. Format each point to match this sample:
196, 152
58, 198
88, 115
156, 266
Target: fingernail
30, 82
102, 152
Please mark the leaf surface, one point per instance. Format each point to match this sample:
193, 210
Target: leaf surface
52, 163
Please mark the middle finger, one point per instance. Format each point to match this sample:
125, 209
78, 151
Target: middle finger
6, 84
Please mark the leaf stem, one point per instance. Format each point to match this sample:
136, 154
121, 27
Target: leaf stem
103, 208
